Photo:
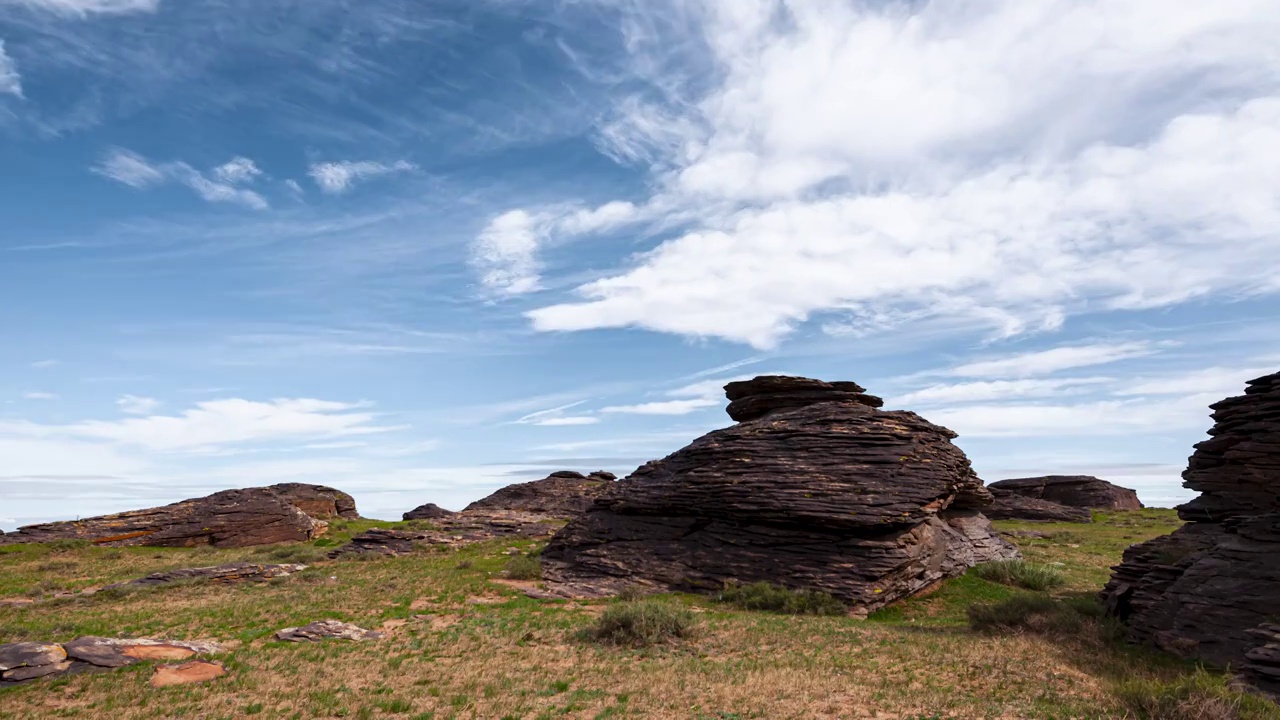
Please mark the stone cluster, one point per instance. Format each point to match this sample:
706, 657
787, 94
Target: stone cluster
289, 512
1211, 589
815, 488
24, 661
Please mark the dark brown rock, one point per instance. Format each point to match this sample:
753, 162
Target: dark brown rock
1211, 589
1082, 491
430, 511
458, 529
230, 573
837, 495
756, 398
231, 518
1011, 506
562, 494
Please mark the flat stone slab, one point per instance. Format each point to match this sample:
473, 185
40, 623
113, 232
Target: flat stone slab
326, 630
29, 654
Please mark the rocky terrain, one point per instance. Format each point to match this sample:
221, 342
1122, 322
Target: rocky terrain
562, 494
1211, 590
289, 512
814, 488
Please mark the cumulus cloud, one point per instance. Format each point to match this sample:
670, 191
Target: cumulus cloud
135, 405
10, 80
338, 177
136, 171
506, 253
83, 8
1015, 163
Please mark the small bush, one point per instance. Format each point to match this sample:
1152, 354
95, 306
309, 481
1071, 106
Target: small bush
1020, 573
643, 622
1199, 696
631, 593
465, 565
767, 597
523, 567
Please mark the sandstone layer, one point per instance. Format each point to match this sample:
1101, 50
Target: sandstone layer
815, 488
1080, 491
1211, 589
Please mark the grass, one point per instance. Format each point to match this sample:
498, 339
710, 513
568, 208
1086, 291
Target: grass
641, 623
463, 645
767, 597
1020, 573
523, 567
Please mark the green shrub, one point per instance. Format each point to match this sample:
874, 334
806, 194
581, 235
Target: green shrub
643, 622
523, 567
767, 597
1020, 573
1199, 696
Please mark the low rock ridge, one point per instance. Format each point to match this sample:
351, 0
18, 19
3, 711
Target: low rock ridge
1079, 491
1211, 589
1011, 506
289, 512
561, 494
817, 488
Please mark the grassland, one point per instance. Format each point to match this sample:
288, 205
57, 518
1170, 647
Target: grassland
464, 643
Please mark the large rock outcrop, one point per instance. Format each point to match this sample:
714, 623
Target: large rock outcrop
1011, 506
1211, 589
231, 518
1080, 491
816, 489
562, 494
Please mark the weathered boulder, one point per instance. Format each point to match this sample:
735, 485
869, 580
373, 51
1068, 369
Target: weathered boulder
430, 511
29, 660
835, 495
1082, 491
1211, 589
458, 529
1011, 506
563, 494
326, 630
20, 662
230, 518
756, 398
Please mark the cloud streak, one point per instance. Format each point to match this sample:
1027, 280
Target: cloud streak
336, 178
10, 80
134, 170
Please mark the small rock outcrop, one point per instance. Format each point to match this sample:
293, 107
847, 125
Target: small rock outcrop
1011, 506
430, 511
20, 662
1080, 491
563, 494
326, 630
290, 512
229, 573
1211, 589
816, 488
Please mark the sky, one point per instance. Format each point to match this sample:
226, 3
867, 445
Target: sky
420, 250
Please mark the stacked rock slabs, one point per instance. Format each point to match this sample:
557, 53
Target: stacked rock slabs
817, 489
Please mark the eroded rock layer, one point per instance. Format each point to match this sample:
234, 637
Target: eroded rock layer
231, 518
1211, 589
1010, 506
1081, 491
836, 495
561, 494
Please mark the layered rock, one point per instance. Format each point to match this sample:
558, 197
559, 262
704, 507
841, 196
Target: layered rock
1080, 491
221, 574
458, 529
430, 511
1211, 589
24, 661
1011, 506
231, 518
562, 494
817, 489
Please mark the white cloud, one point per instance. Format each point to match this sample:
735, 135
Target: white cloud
666, 407
136, 171
237, 170
40, 396
135, 405
1046, 362
1098, 418
605, 217
556, 417
568, 420
1220, 381
338, 177
216, 423
43, 364
88, 7
10, 80
506, 251
996, 390
1014, 162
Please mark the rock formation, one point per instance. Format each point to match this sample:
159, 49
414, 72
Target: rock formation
225, 574
231, 518
1081, 491
1211, 589
1011, 506
430, 511
816, 488
20, 662
326, 630
563, 494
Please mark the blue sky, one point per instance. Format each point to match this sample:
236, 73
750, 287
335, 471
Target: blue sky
419, 250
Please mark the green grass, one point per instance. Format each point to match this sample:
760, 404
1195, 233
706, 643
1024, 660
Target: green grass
767, 597
1020, 573
523, 567
1197, 696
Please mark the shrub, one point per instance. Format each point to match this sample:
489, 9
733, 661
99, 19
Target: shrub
767, 597
1020, 573
523, 567
643, 622
1198, 696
